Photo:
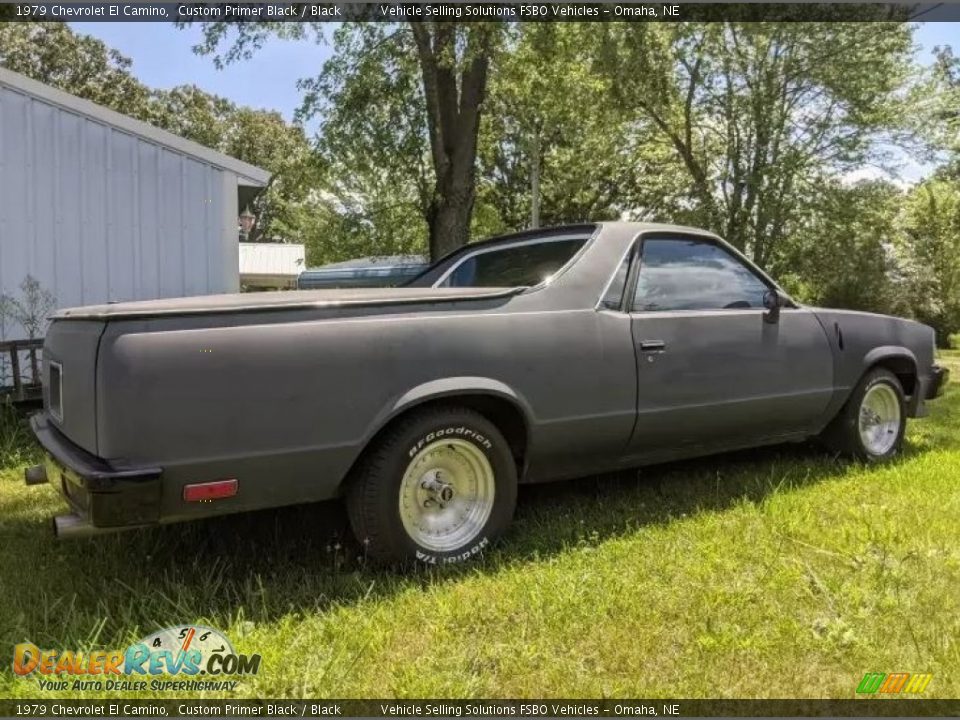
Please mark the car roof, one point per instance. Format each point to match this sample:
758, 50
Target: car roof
573, 228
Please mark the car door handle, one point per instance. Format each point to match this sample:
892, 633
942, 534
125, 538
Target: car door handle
652, 346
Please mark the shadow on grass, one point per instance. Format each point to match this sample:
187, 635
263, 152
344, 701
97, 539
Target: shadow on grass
263, 565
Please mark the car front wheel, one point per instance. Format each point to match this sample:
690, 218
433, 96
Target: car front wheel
871, 425
438, 487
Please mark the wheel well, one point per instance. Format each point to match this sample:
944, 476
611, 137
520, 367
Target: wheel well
505, 415
903, 368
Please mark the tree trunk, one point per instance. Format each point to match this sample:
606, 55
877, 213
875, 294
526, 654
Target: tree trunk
450, 222
454, 96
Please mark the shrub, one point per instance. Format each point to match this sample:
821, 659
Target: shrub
16, 445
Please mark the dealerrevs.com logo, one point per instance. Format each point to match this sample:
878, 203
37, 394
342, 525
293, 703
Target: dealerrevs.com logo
200, 657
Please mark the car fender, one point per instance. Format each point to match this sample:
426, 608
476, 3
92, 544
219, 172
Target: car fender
901, 354
450, 387
886, 352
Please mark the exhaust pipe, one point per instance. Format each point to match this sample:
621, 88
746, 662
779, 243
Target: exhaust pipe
71, 526
74, 526
35, 475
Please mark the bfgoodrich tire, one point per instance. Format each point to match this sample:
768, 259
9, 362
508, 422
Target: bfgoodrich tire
438, 487
871, 425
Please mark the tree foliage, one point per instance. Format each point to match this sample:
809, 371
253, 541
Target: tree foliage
30, 309
372, 143
938, 109
757, 113
549, 117
931, 249
452, 61
848, 231
78, 64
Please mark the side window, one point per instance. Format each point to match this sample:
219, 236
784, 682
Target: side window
514, 266
682, 274
614, 294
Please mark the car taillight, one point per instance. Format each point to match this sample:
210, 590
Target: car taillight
56, 391
207, 491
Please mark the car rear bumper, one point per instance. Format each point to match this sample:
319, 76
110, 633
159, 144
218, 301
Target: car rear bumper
939, 377
102, 496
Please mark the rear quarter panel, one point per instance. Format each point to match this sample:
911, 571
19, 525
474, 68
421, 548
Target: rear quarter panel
286, 402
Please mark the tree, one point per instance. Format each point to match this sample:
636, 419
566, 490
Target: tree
372, 145
940, 109
553, 149
78, 64
843, 252
191, 113
932, 255
31, 309
453, 60
757, 113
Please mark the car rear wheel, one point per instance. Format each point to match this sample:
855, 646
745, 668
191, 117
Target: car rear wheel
871, 425
438, 487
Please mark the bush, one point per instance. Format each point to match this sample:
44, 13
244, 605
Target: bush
16, 445
932, 231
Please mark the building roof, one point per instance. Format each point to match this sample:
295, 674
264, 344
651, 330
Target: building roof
246, 173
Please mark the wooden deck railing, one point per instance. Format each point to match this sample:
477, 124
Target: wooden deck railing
20, 378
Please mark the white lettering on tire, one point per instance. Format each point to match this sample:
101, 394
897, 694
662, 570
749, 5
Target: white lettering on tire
432, 559
461, 431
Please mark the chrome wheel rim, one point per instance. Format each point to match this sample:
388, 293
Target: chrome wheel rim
879, 419
446, 495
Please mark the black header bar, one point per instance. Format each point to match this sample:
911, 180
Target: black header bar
540, 709
602, 11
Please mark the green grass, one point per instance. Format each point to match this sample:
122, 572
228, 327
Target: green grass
774, 573
16, 448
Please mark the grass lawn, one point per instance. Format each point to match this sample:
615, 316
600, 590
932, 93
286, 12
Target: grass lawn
773, 573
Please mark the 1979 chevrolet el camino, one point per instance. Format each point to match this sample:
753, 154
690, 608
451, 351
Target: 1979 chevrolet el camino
542, 355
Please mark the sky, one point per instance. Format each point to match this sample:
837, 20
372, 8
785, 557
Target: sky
163, 57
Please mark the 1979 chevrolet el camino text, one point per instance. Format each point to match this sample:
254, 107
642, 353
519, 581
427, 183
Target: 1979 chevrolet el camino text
538, 356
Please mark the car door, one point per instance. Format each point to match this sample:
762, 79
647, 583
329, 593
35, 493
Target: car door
711, 371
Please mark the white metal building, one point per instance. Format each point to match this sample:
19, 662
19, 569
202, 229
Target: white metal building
99, 207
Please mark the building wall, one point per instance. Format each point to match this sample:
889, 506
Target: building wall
97, 214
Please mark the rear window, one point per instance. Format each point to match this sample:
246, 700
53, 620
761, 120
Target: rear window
525, 264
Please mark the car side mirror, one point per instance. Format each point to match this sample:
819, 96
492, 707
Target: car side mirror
773, 300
